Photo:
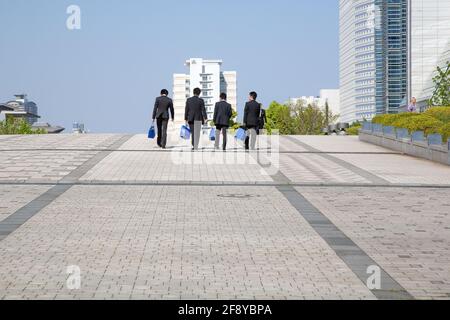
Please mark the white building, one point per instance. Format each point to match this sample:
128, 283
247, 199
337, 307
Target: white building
428, 45
331, 96
206, 75
357, 60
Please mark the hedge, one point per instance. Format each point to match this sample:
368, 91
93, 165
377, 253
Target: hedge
421, 122
389, 119
353, 131
440, 113
434, 120
445, 132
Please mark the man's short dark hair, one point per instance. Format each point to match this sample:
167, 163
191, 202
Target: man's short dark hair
164, 92
223, 96
254, 95
197, 91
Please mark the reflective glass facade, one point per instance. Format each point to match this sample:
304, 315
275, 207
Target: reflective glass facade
373, 57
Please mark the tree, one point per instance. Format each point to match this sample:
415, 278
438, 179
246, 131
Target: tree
13, 125
279, 118
308, 120
297, 119
233, 124
441, 96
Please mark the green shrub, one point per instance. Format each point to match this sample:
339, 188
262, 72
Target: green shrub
381, 119
440, 113
445, 132
353, 131
434, 120
420, 122
390, 119
18, 126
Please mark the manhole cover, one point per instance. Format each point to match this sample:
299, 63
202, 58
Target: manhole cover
238, 196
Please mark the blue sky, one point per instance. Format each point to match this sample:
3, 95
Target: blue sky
108, 73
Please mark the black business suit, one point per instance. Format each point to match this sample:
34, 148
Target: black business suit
195, 115
222, 115
163, 105
252, 112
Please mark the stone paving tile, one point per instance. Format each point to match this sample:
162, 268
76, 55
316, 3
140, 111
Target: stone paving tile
141, 142
3, 138
175, 242
59, 141
338, 144
177, 166
289, 146
311, 168
49, 165
34, 166
401, 169
189, 242
14, 197
407, 231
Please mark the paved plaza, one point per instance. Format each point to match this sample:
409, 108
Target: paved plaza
306, 217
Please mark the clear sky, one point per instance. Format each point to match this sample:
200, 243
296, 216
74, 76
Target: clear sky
108, 73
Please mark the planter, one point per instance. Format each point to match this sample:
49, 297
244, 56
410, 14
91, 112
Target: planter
416, 145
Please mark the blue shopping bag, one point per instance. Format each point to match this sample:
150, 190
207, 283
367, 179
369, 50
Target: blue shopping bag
185, 133
152, 132
212, 134
241, 134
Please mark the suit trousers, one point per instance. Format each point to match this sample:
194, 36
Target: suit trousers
196, 128
219, 130
250, 142
162, 132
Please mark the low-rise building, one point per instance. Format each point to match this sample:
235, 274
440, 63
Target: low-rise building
21, 108
330, 96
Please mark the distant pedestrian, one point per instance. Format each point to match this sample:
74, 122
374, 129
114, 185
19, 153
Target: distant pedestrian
412, 107
222, 116
163, 105
195, 116
252, 113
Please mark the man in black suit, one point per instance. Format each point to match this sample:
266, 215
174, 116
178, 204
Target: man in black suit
252, 112
163, 105
195, 116
222, 116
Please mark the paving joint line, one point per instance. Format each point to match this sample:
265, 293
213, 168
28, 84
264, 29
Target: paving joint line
318, 173
356, 259
346, 249
188, 150
355, 169
25, 213
277, 183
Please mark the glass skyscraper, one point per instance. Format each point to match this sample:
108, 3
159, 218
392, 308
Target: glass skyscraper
373, 57
391, 56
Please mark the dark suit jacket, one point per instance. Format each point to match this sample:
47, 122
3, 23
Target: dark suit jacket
252, 112
162, 107
195, 110
222, 113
